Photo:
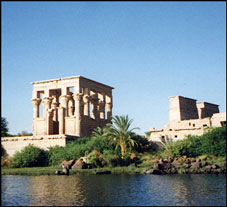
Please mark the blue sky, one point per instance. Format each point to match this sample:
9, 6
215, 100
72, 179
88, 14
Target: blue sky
147, 51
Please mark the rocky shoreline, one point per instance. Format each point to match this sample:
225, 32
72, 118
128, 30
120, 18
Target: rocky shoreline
185, 165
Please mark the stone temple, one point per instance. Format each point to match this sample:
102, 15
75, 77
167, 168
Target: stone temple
187, 116
63, 110
72, 106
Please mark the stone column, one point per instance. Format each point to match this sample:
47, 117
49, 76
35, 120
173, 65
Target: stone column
54, 106
70, 108
61, 120
49, 122
94, 102
86, 105
64, 101
46, 105
102, 109
36, 103
109, 110
78, 112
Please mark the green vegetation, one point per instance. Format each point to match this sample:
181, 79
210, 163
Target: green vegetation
30, 156
117, 148
4, 127
212, 142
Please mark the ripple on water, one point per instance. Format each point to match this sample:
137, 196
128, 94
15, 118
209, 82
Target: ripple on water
114, 190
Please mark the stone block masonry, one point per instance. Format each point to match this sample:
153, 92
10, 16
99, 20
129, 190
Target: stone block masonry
186, 116
64, 109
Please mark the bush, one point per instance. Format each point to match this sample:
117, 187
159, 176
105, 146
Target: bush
111, 158
142, 143
3, 152
57, 154
5, 161
30, 156
212, 142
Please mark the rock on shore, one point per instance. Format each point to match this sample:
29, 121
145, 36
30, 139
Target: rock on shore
185, 165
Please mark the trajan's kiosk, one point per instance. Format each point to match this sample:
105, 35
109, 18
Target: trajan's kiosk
64, 109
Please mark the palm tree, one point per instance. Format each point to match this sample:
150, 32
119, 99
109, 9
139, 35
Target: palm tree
120, 133
100, 132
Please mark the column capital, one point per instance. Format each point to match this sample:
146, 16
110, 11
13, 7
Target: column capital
86, 98
64, 97
47, 99
54, 105
36, 101
78, 97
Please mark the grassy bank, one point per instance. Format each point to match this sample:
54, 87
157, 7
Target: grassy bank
52, 170
147, 163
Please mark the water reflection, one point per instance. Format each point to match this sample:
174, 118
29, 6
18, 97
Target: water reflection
114, 190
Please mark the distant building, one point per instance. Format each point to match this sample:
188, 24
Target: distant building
186, 116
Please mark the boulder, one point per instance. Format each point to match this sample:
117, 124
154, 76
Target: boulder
195, 165
80, 164
203, 164
169, 159
198, 160
69, 163
186, 165
156, 172
173, 170
159, 166
149, 171
66, 171
214, 166
208, 167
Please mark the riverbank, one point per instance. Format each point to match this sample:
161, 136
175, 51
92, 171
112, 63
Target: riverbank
182, 165
52, 170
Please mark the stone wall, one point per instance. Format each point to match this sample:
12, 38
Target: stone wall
14, 144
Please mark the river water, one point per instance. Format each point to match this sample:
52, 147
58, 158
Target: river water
114, 190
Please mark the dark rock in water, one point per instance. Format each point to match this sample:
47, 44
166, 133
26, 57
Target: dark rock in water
149, 171
158, 166
58, 172
173, 171
103, 172
155, 172
65, 171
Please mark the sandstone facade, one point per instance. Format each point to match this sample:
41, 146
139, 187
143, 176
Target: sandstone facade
186, 116
64, 109
71, 106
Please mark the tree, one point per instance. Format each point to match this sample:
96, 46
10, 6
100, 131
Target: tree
24, 133
120, 133
4, 127
100, 132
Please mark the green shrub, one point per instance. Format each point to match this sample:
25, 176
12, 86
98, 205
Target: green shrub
3, 152
112, 159
142, 143
30, 156
212, 142
57, 154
